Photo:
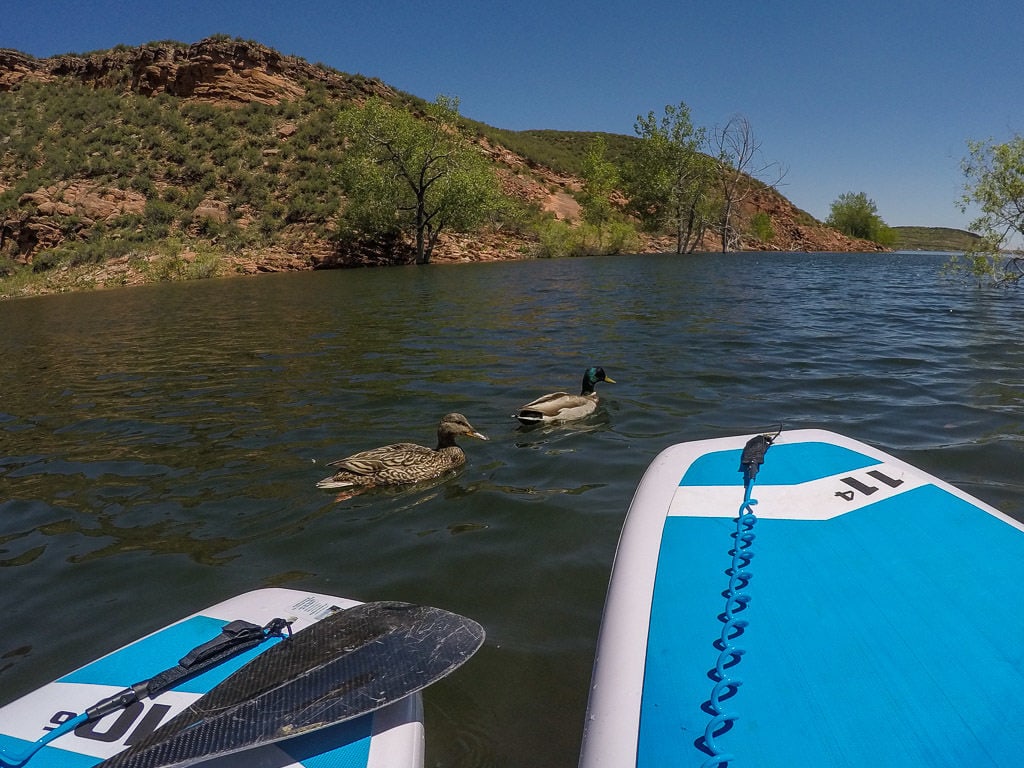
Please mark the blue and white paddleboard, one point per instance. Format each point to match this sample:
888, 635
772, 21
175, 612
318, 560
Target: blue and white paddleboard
860, 613
391, 737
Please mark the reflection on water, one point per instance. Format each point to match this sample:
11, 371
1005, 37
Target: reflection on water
161, 445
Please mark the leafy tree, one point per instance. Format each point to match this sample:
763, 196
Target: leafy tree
418, 175
855, 215
668, 178
600, 179
995, 184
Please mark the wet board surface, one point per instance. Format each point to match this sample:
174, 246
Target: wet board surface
876, 620
391, 737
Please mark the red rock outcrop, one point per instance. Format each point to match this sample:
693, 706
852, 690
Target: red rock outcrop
90, 202
16, 67
216, 69
48, 216
217, 72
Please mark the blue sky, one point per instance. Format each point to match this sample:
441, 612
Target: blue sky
874, 96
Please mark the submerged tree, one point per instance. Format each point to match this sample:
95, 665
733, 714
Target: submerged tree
668, 177
416, 174
737, 153
995, 184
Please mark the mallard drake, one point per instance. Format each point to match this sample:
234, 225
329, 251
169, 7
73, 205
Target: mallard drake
403, 462
561, 406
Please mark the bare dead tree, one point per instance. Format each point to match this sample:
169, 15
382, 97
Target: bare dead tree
737, 153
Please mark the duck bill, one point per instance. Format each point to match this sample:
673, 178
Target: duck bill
609, 380
479, 435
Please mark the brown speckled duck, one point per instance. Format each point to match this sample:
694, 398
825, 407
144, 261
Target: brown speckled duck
402, 463
562, 406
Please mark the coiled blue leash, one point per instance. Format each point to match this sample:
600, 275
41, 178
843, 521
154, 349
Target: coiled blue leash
736, 600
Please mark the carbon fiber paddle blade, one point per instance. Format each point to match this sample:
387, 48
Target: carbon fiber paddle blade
346, 665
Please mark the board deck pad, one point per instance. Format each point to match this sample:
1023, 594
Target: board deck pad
392, 736
881, 626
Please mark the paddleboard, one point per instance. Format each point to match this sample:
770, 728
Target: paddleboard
857, 612
391, 737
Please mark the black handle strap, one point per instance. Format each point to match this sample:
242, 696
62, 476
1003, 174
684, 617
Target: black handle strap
235, 637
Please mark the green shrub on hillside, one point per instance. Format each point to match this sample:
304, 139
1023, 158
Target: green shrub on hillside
557, 238
761, 226
174, 266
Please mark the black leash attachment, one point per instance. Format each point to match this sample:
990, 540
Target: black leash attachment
236, 637
753, 455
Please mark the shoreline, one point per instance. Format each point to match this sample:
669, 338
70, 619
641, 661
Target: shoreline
130, 271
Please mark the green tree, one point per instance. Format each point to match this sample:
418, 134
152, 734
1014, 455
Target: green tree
414, 174
855, 215
668, 178
995, 184
600, 179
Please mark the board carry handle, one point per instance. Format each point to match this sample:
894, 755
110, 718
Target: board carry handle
235, 637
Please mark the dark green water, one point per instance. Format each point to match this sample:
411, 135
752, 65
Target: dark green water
159, 446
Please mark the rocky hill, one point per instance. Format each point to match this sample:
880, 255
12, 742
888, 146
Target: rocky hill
252, 122
217, 70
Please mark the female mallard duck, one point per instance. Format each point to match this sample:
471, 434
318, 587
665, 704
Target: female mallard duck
403, 462
561, 406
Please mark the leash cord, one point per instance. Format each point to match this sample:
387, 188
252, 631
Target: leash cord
736, 601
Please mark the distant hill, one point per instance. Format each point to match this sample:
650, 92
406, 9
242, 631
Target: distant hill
933, 239
169, 160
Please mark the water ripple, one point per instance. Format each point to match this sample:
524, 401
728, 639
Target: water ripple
161, 445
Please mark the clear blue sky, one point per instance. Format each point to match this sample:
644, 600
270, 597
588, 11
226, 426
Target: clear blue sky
873, 96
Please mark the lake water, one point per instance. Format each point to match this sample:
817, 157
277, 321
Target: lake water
160, 446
